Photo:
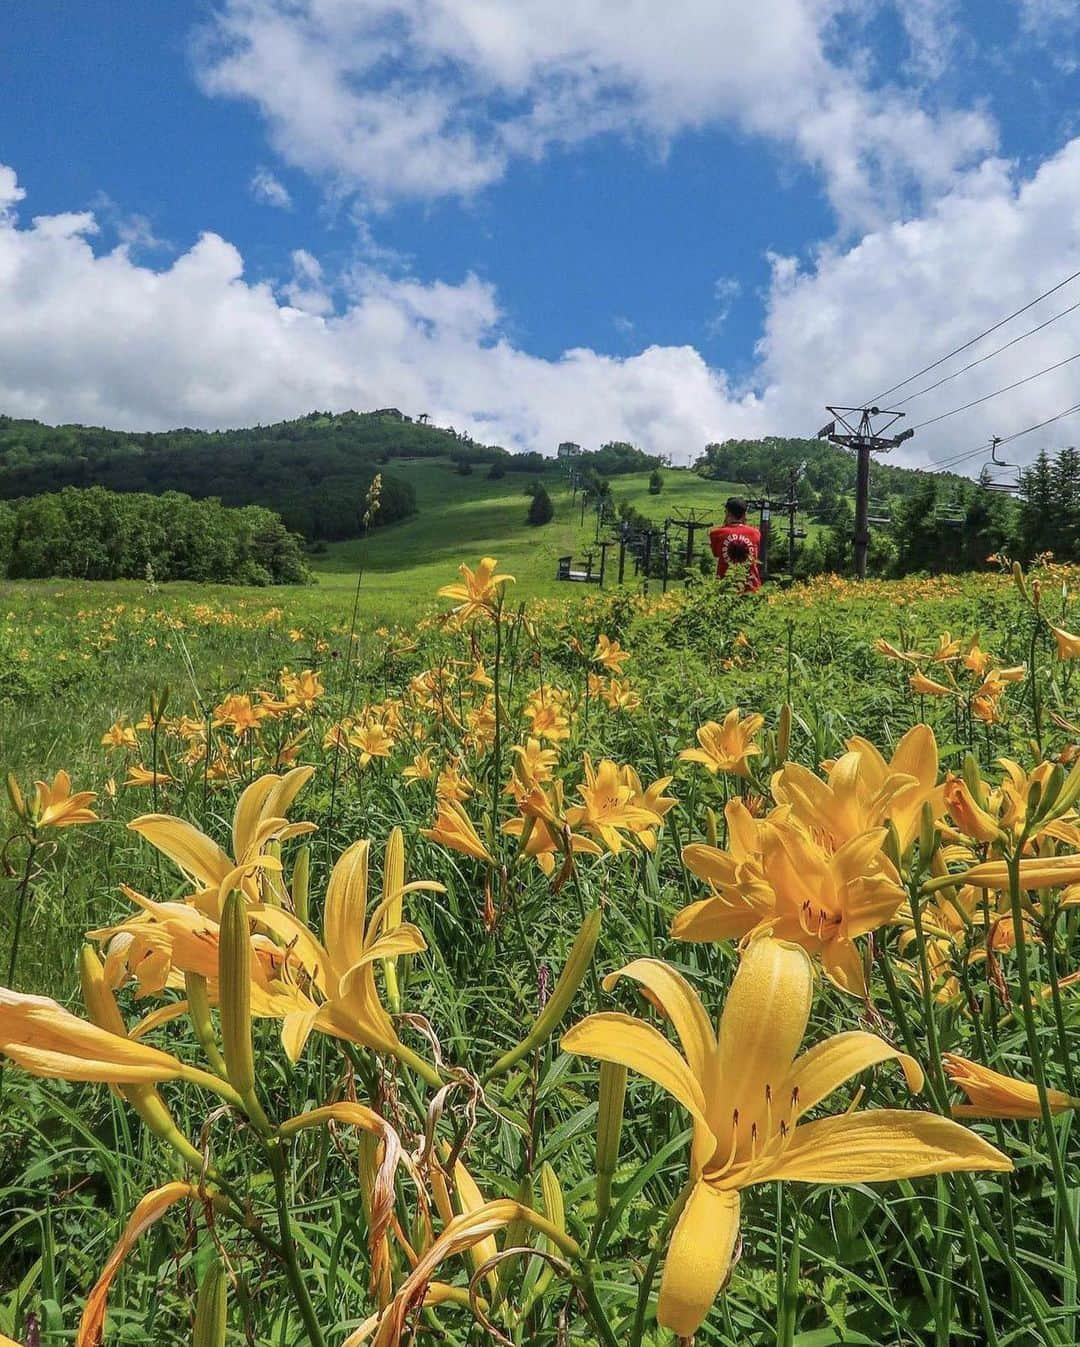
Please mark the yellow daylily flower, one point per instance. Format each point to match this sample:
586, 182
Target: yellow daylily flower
652, 799
993, 1095
166, 941
454, 829
138, 775
610, 654
947, 649
240, 714
337, 994
968, 815
535, 763
546, 712
891, 652
727, 747
119, 736
259, 819
545, 829
479, 592
453, 784
45, 1039
480, 676
776, 878
976, 660
746, 1091
863, 791
420, 770
55, 806
918, 682
1068, 645
372, 741
609, 808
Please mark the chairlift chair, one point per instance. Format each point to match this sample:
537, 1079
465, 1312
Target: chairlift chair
997, 483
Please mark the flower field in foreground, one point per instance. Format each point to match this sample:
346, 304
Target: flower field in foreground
635, 970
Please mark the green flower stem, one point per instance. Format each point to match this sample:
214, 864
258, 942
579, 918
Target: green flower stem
1037, 1069
415, 1062
22, 894
649, 1275
1059, 1012
1034, 1302
276, 1158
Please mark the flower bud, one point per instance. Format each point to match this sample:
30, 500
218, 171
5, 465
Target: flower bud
710, 827
15, 795
609, 1122
211, 1307
1019, 581
783, 734
234, 974
570, 979
202, 1022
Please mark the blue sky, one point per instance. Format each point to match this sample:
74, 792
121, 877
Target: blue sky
538, 220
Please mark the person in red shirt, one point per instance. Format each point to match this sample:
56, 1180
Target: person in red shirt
737, 543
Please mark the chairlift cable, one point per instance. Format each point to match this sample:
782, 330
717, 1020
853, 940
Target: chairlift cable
998, 391
974, 340
989, 355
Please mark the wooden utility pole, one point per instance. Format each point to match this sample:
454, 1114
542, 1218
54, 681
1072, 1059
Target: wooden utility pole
860, 433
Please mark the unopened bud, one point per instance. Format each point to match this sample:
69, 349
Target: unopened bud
211, 1308
15, 795
570, 979
1019, 581
783, 734
234, 973
710, 827
609, 1122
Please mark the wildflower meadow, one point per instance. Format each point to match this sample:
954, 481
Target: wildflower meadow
623, 969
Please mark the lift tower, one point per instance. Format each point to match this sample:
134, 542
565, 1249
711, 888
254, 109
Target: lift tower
861, 434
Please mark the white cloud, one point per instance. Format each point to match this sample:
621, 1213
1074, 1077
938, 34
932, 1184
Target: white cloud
402, 99
726, 291
270, 190
307, 290
100, 338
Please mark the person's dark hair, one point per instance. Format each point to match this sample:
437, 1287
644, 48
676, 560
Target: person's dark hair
736, 507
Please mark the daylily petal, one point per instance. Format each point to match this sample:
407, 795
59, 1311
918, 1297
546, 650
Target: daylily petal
628, 1042
682, 1005
196, 854
762, 1025
842, 964
249, 810
713, 919
346, 907
917, 755
827, 1065
879, 1145
698, 1259
151, 1208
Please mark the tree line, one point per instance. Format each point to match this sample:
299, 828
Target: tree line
94, 534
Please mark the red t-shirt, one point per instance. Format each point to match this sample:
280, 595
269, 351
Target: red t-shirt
737, 545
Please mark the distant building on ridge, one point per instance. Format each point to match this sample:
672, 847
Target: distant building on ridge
568, 449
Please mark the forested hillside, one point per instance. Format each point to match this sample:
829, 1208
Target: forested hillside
314, 471
94, 534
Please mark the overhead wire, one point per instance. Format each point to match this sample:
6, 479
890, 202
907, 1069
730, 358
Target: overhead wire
974, 340
952, 460
989, 355
997, 392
